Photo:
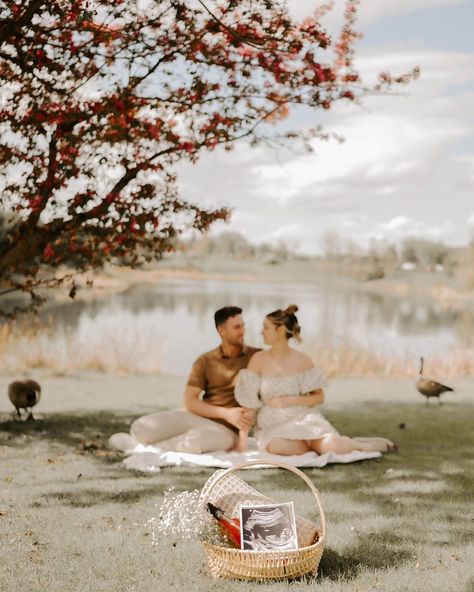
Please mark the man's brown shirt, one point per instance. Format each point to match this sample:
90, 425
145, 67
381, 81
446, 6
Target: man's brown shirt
216, 374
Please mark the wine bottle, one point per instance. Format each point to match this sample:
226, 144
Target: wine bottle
229, 526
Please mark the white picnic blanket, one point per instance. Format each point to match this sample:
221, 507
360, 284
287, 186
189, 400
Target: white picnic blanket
150, 459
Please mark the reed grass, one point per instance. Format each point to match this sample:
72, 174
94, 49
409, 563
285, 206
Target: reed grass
118, 350
351, 361
128, 349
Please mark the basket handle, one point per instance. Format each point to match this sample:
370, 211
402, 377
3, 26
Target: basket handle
282, 465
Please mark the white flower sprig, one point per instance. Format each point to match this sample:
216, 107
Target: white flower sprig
184, 516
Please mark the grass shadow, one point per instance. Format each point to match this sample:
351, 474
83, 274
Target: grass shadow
68, 429
370, 553
87, 498
132, 490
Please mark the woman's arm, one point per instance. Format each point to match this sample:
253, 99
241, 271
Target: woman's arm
311, 399
247, 386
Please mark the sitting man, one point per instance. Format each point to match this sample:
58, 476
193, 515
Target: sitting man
212, 418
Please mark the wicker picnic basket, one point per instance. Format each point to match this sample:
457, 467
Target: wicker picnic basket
228, 491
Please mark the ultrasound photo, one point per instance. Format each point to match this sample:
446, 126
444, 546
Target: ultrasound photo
269, 527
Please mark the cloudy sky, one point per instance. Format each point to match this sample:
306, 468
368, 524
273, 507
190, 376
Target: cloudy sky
407, 165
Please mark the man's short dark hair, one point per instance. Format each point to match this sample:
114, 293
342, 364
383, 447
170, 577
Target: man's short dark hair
221, 315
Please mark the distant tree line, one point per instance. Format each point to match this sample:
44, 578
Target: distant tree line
382, 257
374, 261
235, 246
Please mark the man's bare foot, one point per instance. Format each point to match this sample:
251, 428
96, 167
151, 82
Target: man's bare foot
122, 442
239, 448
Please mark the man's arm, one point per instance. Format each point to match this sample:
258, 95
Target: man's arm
240, 417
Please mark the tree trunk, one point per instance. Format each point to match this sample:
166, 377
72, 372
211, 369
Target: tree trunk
21, 253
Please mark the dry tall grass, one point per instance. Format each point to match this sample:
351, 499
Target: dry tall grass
128, 348
350, 360
118, 349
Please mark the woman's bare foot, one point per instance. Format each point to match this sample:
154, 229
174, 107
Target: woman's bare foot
376, 444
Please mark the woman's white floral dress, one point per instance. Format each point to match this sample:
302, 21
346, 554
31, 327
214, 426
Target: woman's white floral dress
293, 423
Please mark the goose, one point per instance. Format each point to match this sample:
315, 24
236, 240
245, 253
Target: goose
430, 388
24, 395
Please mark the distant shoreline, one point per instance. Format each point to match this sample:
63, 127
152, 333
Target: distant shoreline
34, 342
413, 285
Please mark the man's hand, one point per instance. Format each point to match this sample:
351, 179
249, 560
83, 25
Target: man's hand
240, 417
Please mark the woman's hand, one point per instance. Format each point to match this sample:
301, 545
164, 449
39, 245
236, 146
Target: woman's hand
283, 401
308, 400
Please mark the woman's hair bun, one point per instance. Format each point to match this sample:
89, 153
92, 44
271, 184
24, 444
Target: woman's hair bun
290, 310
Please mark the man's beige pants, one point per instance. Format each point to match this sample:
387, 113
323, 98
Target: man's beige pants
177, 430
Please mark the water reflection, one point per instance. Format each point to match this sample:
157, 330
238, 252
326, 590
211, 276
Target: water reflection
178, 315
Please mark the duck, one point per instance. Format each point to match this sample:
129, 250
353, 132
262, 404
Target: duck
430, 388
24, 395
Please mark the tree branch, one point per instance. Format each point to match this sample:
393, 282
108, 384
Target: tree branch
11, 26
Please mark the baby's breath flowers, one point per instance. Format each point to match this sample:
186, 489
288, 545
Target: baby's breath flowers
183, 516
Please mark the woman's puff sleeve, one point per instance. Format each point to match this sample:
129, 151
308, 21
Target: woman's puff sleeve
247, 389
312, 380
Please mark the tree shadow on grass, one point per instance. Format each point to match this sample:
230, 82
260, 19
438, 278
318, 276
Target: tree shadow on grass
69, 429
132, 490
369, 553
87, 498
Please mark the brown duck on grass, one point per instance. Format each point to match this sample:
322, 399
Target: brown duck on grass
24, 395
430, 388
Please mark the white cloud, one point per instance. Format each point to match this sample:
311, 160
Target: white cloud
465, 180
443, 68
353, 220
373, 10
381, 152
404, 168
288, 230
393, 144
369, 11
402, 227
396, 223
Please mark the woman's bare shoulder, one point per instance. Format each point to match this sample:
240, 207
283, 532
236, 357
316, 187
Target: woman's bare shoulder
257, 360
303, 361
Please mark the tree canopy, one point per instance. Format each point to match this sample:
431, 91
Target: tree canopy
101, 100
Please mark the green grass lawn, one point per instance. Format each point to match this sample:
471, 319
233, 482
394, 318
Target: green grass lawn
73, 519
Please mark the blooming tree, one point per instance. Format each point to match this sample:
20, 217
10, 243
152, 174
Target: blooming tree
101, 100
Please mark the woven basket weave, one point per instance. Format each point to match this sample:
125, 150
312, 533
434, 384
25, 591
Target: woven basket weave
228, 492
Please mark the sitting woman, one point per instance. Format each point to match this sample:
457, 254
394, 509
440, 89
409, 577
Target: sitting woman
285, 387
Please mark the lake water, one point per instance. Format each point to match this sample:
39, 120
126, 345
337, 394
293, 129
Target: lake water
175, 318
